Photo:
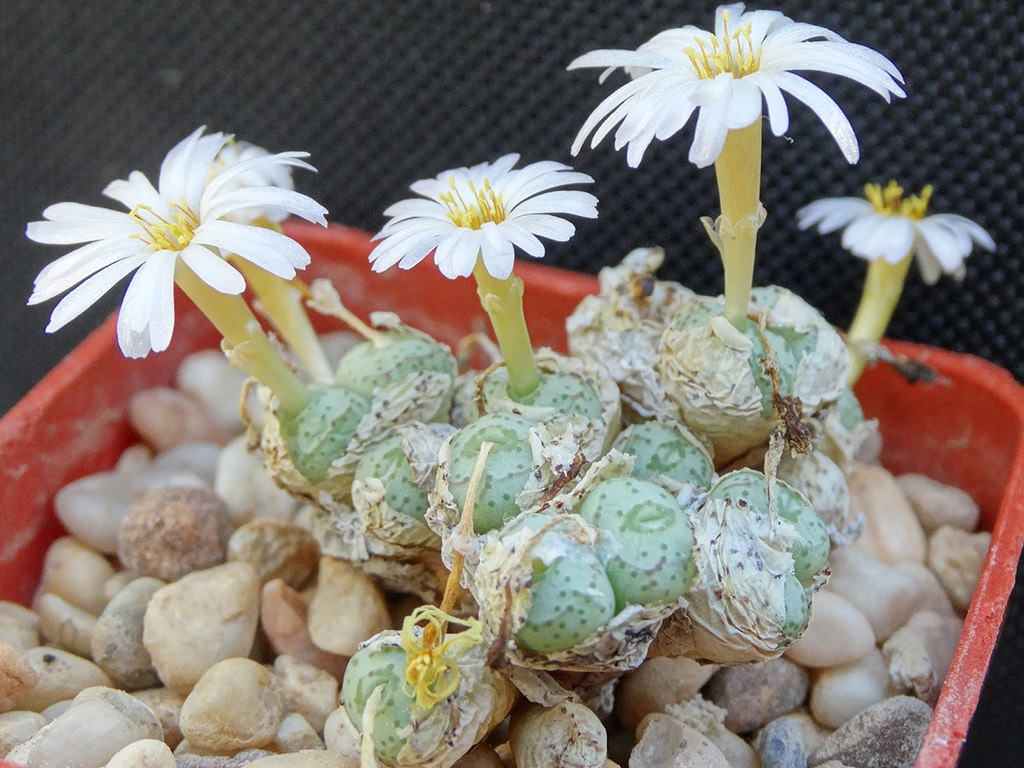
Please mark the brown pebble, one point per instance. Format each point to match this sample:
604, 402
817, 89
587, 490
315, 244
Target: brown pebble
888, 733
165, 417
283, 616
16, 676
170, 532
752, 695
277, 550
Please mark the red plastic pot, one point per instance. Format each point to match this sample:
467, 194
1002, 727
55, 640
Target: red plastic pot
967, 430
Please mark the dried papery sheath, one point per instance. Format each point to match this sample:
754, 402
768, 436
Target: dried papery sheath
568, 735
410, 730
621, 328
818, 478
573, 393
715, 374
843, 430
760, 551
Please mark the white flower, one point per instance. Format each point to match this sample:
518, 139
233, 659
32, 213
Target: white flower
260, 175
723, 76
484, 211
888, 226
180, 224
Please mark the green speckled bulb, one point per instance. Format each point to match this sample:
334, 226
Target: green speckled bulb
387, 462
796, 608
571, 596
646, 540
567, 394
661, 449
320, 432
850, 413
367, 669
506, 471
368, 366
750, 487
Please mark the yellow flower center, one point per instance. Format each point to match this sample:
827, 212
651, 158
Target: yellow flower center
890, 201
485, 205
732, 52
161, 234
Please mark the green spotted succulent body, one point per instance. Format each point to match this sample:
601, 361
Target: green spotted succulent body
506, 472
646, 540
367, 669
321, 431
567, 394
662, 449
369, 366
387, 462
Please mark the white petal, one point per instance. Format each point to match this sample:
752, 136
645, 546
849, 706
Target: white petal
138, 190
927, 264
173, 169
522, 238
551, 227
832, 213
418, 252
619, 58
710, 133
778, 112
943, 242
502, 165
264, 197
971, 228
213, 270
573, 202
858, 232
85, 295
607, 106
826, 109
892, 239
161, 313
493, 239
415, 207
519, 188
499, 262
261, 164
835, 58
263, 247
72, 268
744, 104
70, 223
456, 256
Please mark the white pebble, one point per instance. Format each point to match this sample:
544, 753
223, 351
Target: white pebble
16, 677
77, 573
837, 634
891, 532
664, 741
348, 607
202, 618
166, 705
62, 675
17, 728
295, 734
956, 558
93, 506
310, 758
306, 689
65, 625
165, 417
246, 487
19, 626
340, 735
880, 592
195, 460
207, 377
937, 504
919, 654
840, 693
144, 753
99, 723
233, 706
930, 594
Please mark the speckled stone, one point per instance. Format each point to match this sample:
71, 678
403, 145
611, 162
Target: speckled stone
889, 734
752, 695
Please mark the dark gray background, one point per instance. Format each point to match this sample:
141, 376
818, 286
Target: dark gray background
385, 93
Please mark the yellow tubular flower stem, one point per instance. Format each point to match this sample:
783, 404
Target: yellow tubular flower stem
282, 301
253, 352
738, 169
503, 302
882, 288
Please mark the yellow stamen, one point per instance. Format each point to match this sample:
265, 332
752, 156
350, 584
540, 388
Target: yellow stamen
890, 201
432, 670
161, 234
486, 205
732, 52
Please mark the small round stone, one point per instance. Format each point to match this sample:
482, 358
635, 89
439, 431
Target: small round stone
77, 572
276, 549
655, 684
117, 639
170, 532
233, 706
937, 504
165, 417
16, 676
956, 557
888, 733
837, 634
754, 694
62, 676
841, 692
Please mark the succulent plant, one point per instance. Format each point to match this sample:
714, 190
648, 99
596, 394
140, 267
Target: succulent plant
646, 540
387, 462
715, 374
320, 433
666, 450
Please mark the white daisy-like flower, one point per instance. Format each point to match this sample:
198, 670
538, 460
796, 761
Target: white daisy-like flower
723, 77
888, 226
484, 211
182, 223
260, 175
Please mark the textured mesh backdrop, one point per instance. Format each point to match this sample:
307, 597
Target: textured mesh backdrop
386, 93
